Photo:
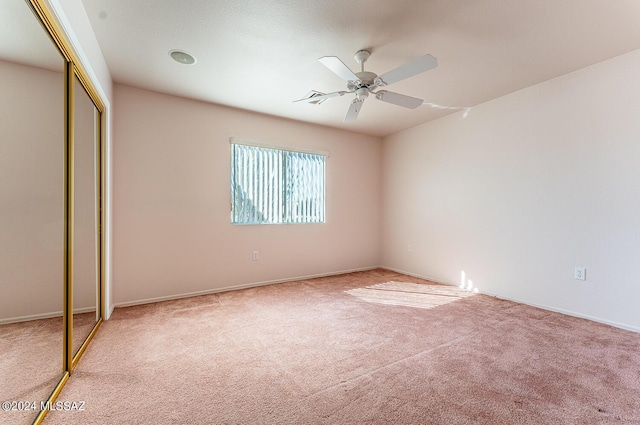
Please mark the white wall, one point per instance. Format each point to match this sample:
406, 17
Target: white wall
172, 231
524, 189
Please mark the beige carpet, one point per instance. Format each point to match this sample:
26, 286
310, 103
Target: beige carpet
347, 350
30, 365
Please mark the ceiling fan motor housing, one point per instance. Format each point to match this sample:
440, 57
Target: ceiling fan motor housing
365, 79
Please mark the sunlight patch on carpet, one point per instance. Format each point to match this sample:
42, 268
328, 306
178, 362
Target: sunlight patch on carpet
409, 294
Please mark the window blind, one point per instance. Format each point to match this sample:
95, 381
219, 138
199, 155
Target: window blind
271, 186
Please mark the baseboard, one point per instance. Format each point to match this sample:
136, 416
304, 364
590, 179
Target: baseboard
40, 316
30, 317
236, 287
573, 314
85, 310
418, 276
543, 307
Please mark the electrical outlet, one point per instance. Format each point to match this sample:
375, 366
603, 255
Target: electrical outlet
409, 248
256, 255
580, 273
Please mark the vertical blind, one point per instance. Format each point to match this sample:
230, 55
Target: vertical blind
271, 186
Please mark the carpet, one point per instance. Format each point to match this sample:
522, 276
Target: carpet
30, 365
327, 351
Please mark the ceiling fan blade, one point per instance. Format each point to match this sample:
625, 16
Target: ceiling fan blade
338, 67
353, 111
398, 99
321, 97
466, 109
416, 66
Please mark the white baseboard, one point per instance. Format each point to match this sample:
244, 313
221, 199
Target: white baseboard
39, 316
418, 276
30, 317
573, 314
543, 307
236, 287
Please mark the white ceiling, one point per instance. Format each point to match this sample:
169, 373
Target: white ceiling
262, 55
23, 39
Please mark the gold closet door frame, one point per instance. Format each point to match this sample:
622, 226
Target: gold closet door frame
74, 69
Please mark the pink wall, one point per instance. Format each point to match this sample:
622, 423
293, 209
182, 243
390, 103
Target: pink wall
524, 189
171, 229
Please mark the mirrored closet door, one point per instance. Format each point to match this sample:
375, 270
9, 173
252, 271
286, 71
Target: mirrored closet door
50, 210
32, 211
86, 216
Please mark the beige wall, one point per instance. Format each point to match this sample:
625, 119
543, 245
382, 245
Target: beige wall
75, 23
31, 191
524, 189
32, 195
172, 231
85, 218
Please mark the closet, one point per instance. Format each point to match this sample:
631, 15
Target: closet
51, 210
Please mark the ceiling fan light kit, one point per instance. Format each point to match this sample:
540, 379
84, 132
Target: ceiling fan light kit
364, 83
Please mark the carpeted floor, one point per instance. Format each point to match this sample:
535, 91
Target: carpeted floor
348, 350
31, 362
30, 365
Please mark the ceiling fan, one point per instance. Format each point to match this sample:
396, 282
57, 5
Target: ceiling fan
364, 83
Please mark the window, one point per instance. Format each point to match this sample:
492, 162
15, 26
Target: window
271, 186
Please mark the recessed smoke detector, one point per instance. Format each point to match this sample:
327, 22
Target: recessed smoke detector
182, 57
